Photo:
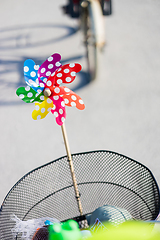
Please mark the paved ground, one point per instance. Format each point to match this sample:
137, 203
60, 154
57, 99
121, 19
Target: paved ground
122, 105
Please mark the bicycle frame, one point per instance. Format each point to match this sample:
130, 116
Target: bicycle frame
95, 13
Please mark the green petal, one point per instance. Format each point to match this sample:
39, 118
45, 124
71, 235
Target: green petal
28, 95
40, 98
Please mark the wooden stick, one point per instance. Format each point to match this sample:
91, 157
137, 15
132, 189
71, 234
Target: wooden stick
71, 168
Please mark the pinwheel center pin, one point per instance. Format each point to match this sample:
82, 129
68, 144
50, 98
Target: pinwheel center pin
43, 88
47, 92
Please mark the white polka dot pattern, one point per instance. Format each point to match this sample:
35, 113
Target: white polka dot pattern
42, 109
59, 110
73, 100
50, 75
67, 73
31, 75
49, 66
28, 95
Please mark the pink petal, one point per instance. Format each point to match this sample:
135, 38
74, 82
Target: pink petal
59, 109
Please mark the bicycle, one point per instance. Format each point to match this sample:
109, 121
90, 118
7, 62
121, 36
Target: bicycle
90, 13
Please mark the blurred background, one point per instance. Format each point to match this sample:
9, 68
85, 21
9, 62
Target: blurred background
122, 104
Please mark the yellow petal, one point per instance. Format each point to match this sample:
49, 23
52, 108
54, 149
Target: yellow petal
42, 109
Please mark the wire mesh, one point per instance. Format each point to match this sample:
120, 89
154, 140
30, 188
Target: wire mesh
103, 177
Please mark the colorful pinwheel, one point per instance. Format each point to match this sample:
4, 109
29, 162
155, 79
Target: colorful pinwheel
44, 87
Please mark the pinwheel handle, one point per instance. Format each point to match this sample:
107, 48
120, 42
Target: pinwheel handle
77, 195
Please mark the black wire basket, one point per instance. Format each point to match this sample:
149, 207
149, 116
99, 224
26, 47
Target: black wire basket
103, 177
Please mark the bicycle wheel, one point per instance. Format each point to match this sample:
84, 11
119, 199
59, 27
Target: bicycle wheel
93, 28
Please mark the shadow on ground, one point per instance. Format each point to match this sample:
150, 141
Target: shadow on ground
23, 37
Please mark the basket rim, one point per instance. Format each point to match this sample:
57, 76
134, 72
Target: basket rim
76, 154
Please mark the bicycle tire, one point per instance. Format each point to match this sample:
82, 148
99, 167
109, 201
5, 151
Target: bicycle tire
92, 26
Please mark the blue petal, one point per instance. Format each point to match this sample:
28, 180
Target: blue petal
31, 75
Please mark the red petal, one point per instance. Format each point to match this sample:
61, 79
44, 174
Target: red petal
66, 73
72, 99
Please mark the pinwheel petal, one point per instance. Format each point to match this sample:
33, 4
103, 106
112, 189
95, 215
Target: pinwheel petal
49, 66
42, 109
31, 75
40, 98
28, 95
66, 73
73, 100
50, 75
37, 87
59, 110
56, 90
